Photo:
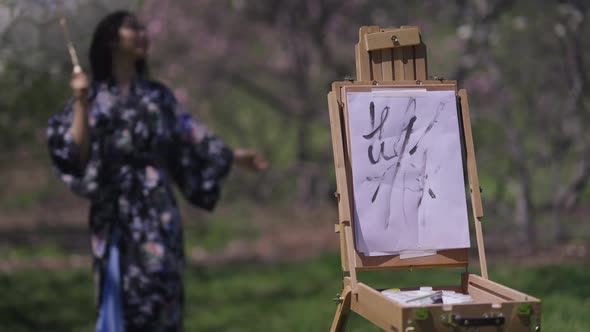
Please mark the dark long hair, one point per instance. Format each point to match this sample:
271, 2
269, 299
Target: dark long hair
105, 36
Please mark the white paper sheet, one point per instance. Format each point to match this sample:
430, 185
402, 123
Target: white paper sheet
406, 254
409, 192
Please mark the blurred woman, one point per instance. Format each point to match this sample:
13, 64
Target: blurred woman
120, 142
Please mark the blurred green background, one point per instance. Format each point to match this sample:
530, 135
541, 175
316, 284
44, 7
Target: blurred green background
257, 72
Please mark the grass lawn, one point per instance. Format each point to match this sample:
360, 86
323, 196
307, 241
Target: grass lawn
282, 297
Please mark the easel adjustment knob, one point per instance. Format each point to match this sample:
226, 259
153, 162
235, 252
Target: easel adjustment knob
338, 298
337, 195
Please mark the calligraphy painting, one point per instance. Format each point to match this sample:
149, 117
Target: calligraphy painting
407, 169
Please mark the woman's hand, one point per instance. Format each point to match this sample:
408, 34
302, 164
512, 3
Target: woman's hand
79, 84
250, 159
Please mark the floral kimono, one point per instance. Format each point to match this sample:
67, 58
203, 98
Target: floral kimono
139, 144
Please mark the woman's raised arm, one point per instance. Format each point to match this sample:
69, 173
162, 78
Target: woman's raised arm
79, 128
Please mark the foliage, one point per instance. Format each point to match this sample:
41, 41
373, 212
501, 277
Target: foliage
257, 72
285, 297
523, 62
34, 65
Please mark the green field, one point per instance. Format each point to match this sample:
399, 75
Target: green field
281, 297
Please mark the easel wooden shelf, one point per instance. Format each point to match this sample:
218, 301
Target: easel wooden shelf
396, 58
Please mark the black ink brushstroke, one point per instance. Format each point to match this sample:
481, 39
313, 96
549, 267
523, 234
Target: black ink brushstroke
408, 132
432, 195
375, 194
372, 114
404, 139
371, 158
379, 129
439, 109
408, 128
381, 154
421, 177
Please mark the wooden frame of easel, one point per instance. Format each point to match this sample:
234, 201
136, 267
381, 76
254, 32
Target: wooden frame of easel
397, 58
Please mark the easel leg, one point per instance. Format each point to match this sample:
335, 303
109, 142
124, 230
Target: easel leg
342, 312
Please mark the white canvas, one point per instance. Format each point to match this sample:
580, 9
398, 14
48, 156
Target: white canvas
407, 170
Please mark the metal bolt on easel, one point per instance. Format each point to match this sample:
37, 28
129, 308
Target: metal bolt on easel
338, 298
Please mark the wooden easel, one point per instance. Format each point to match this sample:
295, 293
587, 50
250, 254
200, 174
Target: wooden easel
397, 58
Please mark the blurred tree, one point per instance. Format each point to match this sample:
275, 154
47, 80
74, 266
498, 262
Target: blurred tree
526, 60
282, 53
512, 56
34, 63
258, 71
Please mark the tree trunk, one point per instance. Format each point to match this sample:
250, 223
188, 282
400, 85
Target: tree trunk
524, 214
560, 232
